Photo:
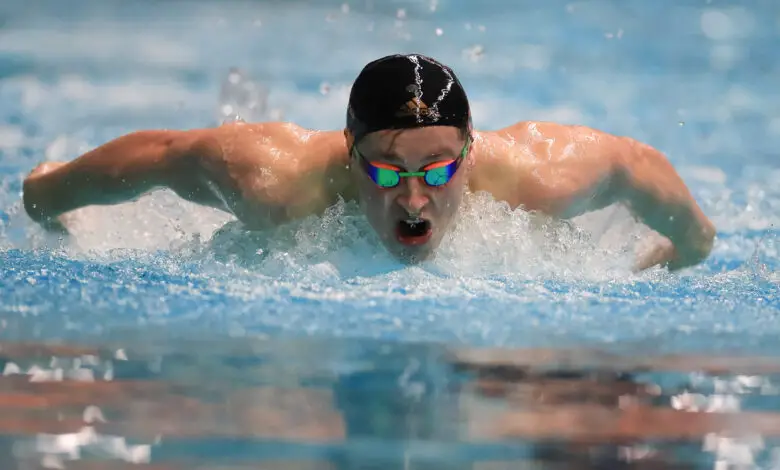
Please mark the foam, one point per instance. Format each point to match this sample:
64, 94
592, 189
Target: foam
488, 239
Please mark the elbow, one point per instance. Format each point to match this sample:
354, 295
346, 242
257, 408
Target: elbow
658, 196
696, 244
39, 191
703, 239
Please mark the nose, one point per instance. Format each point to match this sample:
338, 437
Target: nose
412, 197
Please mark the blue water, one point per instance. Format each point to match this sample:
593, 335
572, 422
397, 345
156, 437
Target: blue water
184, 286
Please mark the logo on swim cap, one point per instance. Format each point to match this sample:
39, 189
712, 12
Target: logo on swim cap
416, 107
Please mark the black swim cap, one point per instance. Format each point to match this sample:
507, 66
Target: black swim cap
406, 91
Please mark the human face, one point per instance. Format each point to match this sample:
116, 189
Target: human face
411, 217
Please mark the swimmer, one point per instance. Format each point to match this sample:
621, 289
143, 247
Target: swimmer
407, 154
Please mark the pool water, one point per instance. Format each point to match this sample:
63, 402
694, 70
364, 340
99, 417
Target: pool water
525, 342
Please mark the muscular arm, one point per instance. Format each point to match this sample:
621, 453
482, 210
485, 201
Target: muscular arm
651, 188
566, 171
621, 170
264, 173
118, 171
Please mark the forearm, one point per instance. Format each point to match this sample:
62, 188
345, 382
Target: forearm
117, 171
659, 198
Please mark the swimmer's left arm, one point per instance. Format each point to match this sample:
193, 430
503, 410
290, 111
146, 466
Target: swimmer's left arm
613, 170
647, 183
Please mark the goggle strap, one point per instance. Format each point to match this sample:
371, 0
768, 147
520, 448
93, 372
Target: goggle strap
410, 173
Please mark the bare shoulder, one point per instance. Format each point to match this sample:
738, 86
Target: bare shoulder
278, 146
553, 142
235, 140
539, 164
274, 164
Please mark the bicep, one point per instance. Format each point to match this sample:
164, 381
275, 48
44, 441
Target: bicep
196, 170
562, 171
226, 169
588, 182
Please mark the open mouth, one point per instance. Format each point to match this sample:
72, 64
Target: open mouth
413, 231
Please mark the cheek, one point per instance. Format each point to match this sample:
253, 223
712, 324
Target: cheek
373, 196
449, 195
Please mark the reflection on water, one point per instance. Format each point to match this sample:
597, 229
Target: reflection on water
172, 404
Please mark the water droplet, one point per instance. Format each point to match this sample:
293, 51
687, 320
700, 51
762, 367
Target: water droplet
93, 414
439, 31
241, 97
474, 53
400, 14
681, 123
324, 88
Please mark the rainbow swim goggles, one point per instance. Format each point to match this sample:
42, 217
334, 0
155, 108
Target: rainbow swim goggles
435, 174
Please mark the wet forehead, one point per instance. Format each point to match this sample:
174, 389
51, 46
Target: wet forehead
413, 145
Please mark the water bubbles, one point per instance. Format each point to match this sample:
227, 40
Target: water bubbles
240, 98
11, 137
324, 88
474, 53
716, 25
93, 414
400, 14
725, 56
439, 31
276, 114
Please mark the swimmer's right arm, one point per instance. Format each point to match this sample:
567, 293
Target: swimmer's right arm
122, 170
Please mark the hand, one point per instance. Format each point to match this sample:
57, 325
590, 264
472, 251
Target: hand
660, 252
36, 194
